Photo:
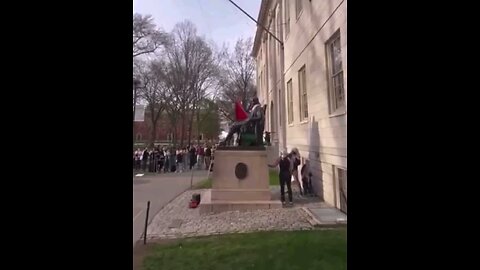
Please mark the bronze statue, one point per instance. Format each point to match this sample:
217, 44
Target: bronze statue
248, 127
257, 118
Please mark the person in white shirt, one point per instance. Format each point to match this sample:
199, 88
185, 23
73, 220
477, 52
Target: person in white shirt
138, 159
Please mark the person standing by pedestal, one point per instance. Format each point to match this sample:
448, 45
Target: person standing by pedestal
285, 176
295, 159
306, 175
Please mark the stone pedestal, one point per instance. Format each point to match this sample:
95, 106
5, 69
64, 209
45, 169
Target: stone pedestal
239, 182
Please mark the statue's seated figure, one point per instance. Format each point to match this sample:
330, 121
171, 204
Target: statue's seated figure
248, 127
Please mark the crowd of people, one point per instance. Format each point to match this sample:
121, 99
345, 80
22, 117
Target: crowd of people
169, 159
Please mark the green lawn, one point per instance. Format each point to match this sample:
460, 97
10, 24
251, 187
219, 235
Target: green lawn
207, 183
273, 178
318, 249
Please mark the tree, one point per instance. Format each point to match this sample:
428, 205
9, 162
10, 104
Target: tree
238, 78
179, 79
162, 71
208, 121
153, 92
146, 38
189, 69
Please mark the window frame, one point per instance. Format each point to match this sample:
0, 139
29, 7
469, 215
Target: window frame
298, 12
287, 19
303, 94
290, 116
335, 106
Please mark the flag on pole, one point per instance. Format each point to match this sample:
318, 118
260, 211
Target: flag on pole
240, 114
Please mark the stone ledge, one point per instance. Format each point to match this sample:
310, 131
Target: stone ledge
236, 194
217, 206
317, 223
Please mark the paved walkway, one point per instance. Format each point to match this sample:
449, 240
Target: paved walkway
176, 220
159, 189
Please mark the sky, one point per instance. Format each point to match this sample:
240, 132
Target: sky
218, 20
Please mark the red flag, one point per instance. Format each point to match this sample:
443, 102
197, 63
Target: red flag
240, 114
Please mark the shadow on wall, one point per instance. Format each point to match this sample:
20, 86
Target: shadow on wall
314, 157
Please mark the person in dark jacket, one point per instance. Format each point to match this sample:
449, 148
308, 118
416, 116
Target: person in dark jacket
145, 159
151, 161
161, 160
193, 157
172, 160
284, 175
156, 156
166, 166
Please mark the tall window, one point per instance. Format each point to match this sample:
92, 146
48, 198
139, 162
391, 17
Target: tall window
302, 93
273, 125
274, 30
336, 91
287, 17
290, 101
279, 109
298, 7
278, 21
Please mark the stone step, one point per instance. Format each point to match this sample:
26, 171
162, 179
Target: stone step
325, 217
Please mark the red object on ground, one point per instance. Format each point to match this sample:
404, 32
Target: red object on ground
193, 204
240, 114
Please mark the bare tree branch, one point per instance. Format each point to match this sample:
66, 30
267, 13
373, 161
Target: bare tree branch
153, 92
237, 80
146, 38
